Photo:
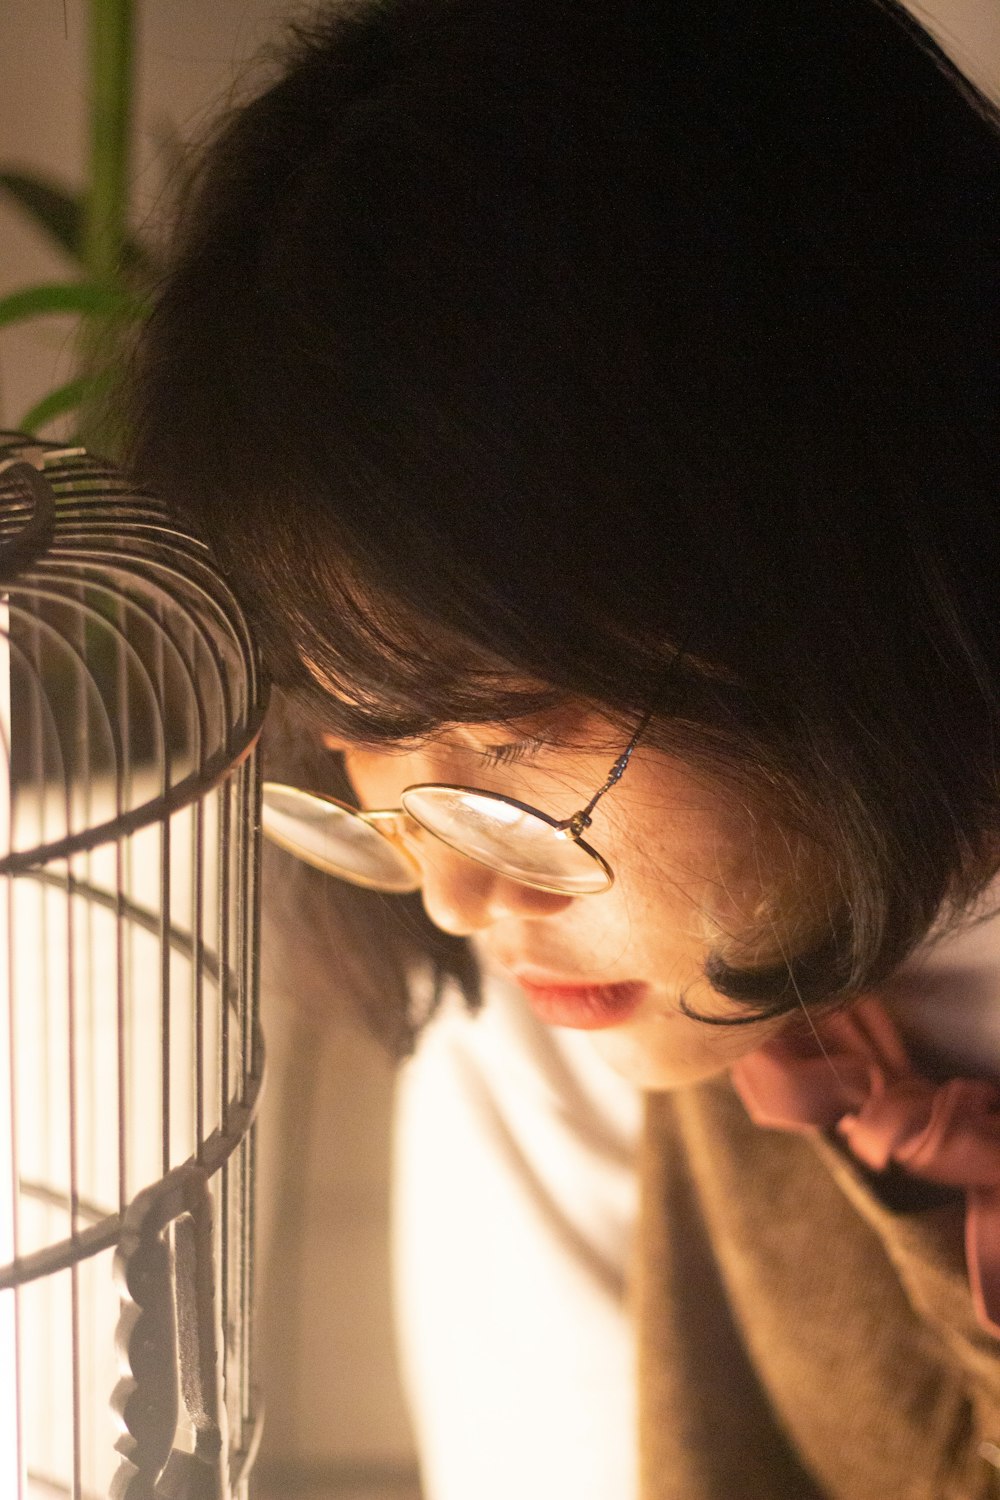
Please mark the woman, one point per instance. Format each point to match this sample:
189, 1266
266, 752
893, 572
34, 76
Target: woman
594, 408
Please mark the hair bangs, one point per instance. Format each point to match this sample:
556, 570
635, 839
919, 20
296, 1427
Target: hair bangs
372, 669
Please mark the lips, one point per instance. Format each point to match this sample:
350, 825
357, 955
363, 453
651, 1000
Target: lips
585, 1007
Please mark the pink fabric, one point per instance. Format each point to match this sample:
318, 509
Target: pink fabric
861, 1083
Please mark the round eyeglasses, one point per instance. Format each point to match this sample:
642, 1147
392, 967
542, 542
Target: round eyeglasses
513, 839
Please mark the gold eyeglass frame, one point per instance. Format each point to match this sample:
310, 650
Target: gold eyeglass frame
387, 823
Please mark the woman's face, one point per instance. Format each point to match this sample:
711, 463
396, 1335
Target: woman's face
694, 871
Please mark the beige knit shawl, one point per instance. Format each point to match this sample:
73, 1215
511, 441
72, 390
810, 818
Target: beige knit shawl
798, 1337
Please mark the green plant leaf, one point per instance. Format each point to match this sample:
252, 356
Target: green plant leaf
69, 297
61, 215
58, 402
51, 207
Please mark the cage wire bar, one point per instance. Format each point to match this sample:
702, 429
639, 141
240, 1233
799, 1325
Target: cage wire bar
130, 1051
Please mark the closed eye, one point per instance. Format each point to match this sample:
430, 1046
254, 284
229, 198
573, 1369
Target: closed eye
508, 755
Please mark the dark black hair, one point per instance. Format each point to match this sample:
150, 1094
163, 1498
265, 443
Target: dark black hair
519, 343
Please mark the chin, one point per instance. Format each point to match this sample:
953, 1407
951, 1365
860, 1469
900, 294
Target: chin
648, 1065
671, 1051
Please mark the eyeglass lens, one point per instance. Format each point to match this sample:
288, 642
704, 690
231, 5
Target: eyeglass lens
510, 839
335, 839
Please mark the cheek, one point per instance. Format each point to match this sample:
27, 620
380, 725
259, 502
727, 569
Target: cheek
672, 875
717, 877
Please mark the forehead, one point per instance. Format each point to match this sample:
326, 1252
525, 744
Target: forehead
417, 696
569, 725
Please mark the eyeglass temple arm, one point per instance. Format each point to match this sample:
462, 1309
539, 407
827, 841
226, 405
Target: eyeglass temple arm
582, 819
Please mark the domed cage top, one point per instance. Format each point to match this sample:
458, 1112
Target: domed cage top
130, 1055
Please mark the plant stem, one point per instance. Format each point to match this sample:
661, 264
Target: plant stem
106, 213
111, 57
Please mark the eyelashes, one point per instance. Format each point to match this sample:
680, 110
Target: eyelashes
508, 755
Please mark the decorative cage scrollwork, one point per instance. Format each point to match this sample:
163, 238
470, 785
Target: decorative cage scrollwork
130, 1053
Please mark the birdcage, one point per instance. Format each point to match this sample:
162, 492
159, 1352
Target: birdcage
130, 1055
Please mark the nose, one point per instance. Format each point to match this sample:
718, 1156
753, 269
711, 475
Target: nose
462, 897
